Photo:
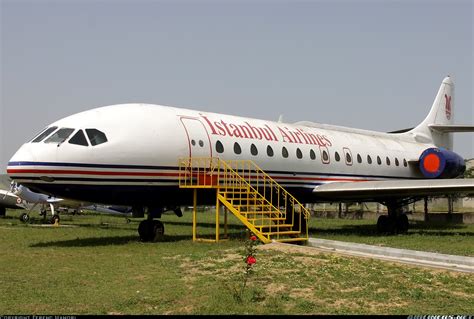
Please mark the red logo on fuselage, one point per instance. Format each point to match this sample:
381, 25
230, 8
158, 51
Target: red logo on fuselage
448, 106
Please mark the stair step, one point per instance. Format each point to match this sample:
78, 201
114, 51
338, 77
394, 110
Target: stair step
246, 200
286, 232
266, 218
254, 206
273, 226
265, 212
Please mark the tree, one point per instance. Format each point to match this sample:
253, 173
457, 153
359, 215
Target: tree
469, 173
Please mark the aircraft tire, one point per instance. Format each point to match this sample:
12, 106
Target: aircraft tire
402, 223
3, 211
158, 230
24, 217
151, 230
382, 224
53, 219
144, 230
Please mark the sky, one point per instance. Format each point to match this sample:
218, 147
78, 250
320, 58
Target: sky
373, 65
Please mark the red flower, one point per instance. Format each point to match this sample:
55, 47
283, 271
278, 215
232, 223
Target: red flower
251, 260
253, 238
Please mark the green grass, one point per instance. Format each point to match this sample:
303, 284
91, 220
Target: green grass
100, 267
454, 239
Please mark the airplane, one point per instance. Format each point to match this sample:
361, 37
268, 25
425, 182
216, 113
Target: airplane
27, 199
127, 154
7, 199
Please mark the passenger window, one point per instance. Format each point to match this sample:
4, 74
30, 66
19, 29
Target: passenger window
369, 159
397, 163
337, 157
284, 152
348, 159
44, 134
60, 136
299, 154
79, 139
201, 143
312, 155
97, 137
193, 142
325, 157
405, 163
388, 161
219, 147
269, 151
359, 159
237, 149
253, 150
379, 161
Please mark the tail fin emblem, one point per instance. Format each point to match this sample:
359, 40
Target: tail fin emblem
448, 106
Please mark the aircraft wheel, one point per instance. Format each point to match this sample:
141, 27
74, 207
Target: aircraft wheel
25, 217
382, 224
402, 223
3, 211
158, 230
53, 219
151, 230
145, 230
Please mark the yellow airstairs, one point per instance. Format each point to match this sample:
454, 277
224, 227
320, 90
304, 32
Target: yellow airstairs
257, 200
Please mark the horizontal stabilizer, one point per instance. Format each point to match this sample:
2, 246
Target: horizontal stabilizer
451, 128
376, 190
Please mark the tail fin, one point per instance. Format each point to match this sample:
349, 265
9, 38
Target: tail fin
441, 114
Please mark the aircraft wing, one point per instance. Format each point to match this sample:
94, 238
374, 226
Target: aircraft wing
54, 200
9, 200
376, 190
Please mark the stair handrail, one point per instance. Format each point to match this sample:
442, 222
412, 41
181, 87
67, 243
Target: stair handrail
212, 166
284, 191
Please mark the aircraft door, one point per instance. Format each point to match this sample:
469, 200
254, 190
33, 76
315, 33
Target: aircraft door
198, 138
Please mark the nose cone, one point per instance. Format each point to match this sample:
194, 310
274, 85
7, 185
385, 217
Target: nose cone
23, 155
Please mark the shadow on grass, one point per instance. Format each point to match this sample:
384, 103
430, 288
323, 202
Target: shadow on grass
105, 241
206, 225
416, 228
124, 240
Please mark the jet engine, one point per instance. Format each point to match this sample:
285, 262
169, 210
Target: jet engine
441, 163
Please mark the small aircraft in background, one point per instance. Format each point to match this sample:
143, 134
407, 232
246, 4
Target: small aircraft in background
25, 198
8, 200
30, 200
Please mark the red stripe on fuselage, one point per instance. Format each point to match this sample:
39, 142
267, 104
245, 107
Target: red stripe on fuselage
149, 174
75, 172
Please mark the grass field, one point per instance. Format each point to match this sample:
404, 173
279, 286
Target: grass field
100, 267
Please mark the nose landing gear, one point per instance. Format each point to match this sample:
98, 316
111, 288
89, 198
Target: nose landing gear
151, 230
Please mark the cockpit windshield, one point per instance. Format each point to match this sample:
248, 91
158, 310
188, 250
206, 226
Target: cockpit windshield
79, 139
60, 136
96, 137
44, 134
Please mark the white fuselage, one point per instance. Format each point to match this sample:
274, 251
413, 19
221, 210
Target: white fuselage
144, 142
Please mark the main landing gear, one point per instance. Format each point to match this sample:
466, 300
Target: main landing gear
151, 230
395, 222
392, 224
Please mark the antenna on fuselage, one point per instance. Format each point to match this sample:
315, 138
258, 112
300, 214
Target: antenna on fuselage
280, 118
